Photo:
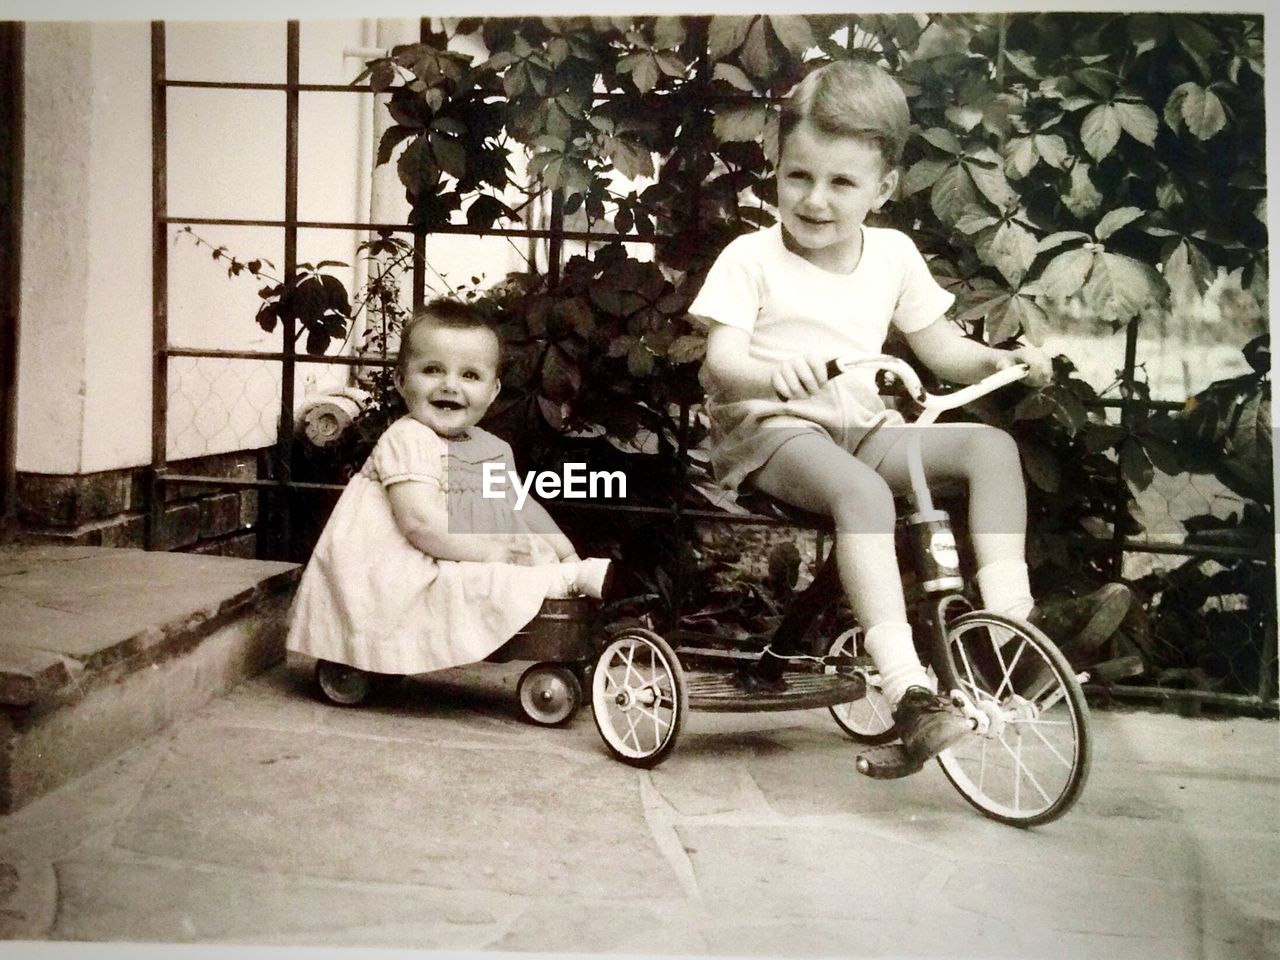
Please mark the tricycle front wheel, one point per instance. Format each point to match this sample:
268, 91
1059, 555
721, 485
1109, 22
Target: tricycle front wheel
1028, 762
638, 696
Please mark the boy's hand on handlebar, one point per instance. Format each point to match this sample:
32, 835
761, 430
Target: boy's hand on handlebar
1038, 363
798, 377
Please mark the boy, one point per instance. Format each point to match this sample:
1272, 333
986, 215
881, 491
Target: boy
781, 302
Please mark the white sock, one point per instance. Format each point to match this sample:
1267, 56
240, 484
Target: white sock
1006, 588
582, 577
894, 655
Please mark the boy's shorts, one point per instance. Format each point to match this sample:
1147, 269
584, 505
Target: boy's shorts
746, 433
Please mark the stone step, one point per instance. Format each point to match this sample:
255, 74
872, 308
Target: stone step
101, 647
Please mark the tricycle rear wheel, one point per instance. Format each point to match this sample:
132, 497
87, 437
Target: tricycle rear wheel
638, 696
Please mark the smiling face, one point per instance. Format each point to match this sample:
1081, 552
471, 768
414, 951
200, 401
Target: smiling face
827, 184
449, 376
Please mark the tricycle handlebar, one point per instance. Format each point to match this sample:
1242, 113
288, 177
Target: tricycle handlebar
933, 404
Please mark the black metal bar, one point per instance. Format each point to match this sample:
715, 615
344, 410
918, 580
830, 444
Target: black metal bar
11, 159
555, 245
450, 228
1269, 664
289, 332
1120, 506
419, 273
159, 291
279, 87
267, 355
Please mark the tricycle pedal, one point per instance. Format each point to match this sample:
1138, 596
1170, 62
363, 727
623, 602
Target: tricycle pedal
889, 761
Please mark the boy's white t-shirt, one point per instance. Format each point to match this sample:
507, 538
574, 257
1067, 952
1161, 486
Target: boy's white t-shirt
791, 307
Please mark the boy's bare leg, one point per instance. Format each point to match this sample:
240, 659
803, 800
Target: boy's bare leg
811, 472
986, 459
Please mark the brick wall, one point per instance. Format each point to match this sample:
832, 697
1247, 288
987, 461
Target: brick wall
109, 509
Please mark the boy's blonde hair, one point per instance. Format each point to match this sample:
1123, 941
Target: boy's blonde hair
851, 98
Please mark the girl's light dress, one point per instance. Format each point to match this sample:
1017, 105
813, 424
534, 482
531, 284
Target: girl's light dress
370, 599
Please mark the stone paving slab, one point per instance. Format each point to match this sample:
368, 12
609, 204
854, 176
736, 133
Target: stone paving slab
438, 820
391, 811
84, 602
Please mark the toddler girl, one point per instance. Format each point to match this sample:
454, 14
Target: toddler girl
416, 569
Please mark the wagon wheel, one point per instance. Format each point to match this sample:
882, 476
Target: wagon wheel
549, 694
342, 684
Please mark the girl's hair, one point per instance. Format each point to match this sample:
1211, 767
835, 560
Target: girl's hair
851, 98
444, 312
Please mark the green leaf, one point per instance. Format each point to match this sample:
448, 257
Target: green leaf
668, 32
1041, 466
1115, 220
755, 55
1014, 313
1187, 272
991, 182
1162, 454
639, 360
1100, 131
793, 32
670, 64
1200, 109
943, 139
417, 167
450, 155
631, 160
1083, 198
975, 221
1134, 465
1011, 251
1052, 149
485, 210
1065, 274
1120, 287
1024, 63
963, 116
952, 194
1021, 157
392, 137
1199, 43
1034, 406
1102, 436
923, 174
733, 75
645, 73
1138, 121
726, 34
687, 348
739, 122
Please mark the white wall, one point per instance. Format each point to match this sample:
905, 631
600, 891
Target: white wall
84, 392
55, 269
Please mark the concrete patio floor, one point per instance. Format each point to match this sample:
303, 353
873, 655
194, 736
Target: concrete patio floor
436, 820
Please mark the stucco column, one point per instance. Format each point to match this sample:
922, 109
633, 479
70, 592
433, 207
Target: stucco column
85, 314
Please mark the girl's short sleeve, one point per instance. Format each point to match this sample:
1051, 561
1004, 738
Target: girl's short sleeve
409, 451
731, 293
921, 300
